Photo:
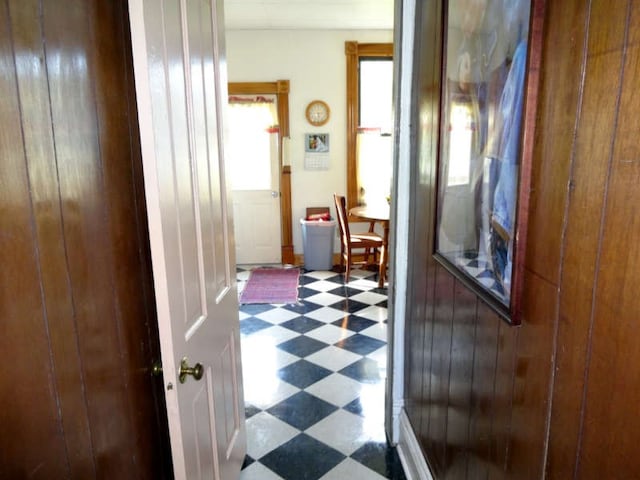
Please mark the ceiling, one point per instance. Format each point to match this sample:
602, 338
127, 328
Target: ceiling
308, 14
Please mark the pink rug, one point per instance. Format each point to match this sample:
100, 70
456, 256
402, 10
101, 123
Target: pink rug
271, 285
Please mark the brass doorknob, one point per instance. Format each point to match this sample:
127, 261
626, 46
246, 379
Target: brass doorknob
196, 371
156, 369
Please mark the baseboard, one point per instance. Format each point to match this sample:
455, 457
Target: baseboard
414, 464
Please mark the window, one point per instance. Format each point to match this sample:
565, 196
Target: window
251, 117
374, 147
369, 76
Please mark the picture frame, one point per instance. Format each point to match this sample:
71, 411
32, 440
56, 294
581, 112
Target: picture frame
491, 57
316, 142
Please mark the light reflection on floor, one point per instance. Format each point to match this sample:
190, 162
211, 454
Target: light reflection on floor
314, 379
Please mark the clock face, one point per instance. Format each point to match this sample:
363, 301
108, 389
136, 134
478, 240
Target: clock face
317, 113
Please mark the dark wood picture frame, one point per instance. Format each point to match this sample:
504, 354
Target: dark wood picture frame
468, 217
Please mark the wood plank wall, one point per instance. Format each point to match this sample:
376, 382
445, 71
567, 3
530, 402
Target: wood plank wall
556, 397
78, 330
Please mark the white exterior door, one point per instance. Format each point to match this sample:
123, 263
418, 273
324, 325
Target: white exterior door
180, 84
256, 201
257, 226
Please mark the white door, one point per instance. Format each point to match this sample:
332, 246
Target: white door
254, 161
180, 81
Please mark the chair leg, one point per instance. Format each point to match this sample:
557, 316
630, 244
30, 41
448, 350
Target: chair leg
367, 251
382, 269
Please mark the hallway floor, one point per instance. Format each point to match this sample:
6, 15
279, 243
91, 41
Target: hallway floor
314, 380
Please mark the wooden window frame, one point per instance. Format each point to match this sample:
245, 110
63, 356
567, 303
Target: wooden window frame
355, 51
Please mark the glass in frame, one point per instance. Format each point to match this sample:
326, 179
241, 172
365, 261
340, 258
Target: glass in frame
481, 136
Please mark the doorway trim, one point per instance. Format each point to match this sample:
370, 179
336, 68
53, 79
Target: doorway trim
280, 89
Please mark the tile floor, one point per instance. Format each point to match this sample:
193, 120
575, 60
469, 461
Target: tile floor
314, 377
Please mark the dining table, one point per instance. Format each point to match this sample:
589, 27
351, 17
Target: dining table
379, 214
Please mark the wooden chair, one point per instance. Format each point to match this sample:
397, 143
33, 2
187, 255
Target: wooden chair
349, 242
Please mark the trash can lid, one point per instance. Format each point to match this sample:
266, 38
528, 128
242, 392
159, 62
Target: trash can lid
318, 223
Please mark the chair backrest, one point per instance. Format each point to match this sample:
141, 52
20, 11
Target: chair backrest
343, 222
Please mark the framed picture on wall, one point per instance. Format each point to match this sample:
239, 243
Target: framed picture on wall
489, 89
316, 142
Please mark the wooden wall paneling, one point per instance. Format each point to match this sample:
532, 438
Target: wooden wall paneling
580, 303
463, 346
76, 285
415, 331
417, 344
533, 370
40, 156
558, 98
611, 425
113, 91
590, 163
29, 408
418, 333
428, 113
419, 307
160, 441
89, 253
423, 274
428, 107
558, 102
415, 347
429, 275
427, 352
482, 392
440, 368
503, 388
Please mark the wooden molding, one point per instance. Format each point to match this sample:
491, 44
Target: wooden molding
354, 51
282, 86
351, 48
253, 88
285, 205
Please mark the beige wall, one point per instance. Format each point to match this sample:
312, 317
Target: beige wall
314, 62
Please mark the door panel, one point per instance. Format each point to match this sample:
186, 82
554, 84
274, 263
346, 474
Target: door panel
257, 226
180, 83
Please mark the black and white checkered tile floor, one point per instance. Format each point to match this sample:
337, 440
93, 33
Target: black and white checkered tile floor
314, 376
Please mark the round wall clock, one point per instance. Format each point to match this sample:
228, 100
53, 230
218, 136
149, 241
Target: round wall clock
317, 113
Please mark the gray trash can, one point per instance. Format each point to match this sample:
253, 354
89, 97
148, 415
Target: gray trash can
317, 243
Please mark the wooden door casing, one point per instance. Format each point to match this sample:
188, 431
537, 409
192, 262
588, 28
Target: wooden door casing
79, 332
